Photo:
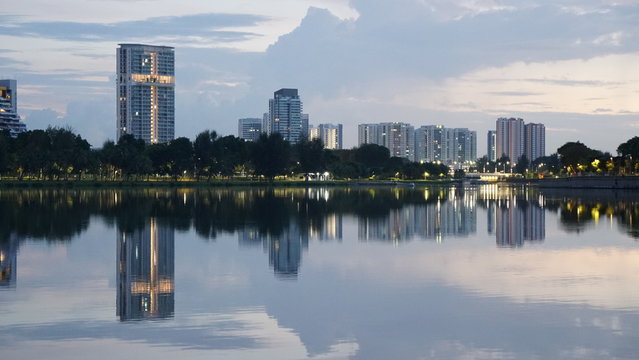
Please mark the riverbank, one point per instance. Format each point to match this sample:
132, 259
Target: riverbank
212, 183
591, 182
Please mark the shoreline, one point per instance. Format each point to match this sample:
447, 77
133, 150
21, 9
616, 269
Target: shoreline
214, 183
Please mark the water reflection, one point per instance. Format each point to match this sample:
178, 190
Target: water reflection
452, 216
566, 297
284, 220
581, 209
8, 261
145, 272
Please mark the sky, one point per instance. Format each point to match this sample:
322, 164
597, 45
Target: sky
571, 65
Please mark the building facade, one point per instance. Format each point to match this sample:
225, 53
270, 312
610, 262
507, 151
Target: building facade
510, 138
464, 148
331, 135
285, 115
454, 147
146, 92
535, 146
398, 137
367, 134
249, 129
9, 118
492, 143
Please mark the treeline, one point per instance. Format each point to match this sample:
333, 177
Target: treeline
572, 158
59, 153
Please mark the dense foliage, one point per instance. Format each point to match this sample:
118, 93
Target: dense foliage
58, 153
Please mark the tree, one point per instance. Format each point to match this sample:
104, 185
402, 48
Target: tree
576, 156
372, 157
204, 155
6, 149
130, 157
180, 155
32, 151
629, 148
160, 158
310, 155
485, 165
549, 163
522, 165
231, 152
503, 163
270, 155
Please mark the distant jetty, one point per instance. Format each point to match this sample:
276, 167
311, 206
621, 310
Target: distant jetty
591, 182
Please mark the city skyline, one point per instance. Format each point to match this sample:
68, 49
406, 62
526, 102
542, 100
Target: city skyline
555, 66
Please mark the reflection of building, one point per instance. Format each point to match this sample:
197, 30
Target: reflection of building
285, 251
146, 92
517, 221
330, 228
146, 272
8, 261
454, 217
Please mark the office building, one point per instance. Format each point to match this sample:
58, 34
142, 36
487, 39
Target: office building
510, 138
285, 116
535, 142
492, 143
146, 92
249, 129
331, 135
9, 118
146, 272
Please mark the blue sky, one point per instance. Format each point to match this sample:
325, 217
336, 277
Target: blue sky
462, 63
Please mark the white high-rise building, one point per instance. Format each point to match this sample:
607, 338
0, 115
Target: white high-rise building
464, 147
398, 137
535, 135
435, 143
146, 92
285, 115
510, 138
9, 118
331, 135
431, 144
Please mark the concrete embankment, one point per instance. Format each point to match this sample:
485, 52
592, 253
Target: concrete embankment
591, 182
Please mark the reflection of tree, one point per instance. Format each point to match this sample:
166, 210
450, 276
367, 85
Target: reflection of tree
579, 209
53, 214
60, 214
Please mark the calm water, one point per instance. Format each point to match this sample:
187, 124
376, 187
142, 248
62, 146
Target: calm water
424, 273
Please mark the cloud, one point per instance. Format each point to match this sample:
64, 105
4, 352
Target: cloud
195, 29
